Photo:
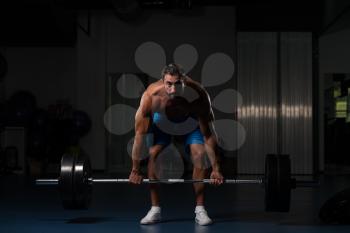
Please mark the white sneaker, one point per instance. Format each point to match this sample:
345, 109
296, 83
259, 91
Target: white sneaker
202, 216
153, 216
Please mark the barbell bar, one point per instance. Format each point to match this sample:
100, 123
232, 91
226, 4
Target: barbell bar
76, 181
153, 181
260, 181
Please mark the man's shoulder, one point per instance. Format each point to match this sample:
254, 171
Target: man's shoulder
193, 83
198, 87
154, 88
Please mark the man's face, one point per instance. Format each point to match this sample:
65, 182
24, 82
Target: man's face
174, 85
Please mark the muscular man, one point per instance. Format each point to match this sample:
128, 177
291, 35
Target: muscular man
176, 106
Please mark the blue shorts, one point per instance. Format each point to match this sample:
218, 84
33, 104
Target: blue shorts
159, 137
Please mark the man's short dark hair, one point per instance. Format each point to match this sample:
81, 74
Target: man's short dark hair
173, 70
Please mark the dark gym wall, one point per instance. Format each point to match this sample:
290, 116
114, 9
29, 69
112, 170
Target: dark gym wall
48, 72
275, 81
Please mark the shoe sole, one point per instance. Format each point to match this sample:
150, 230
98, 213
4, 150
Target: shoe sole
151, 222
197, 221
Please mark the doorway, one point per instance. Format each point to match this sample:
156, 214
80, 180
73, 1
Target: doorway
337, 123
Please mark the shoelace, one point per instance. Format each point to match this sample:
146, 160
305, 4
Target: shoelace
151, 213
202, 213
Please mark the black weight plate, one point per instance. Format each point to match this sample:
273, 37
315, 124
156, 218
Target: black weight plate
284, 183
82, 185
271, 183
277, 183
66, 181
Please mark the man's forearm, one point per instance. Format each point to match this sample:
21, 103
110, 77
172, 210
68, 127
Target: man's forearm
213, 152
136, 151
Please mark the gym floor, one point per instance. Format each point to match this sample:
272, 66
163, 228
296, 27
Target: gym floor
118, 208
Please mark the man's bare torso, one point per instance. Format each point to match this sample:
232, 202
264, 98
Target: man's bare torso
191, 103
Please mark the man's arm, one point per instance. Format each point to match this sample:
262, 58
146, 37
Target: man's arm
142, 122
206, 118
210, 138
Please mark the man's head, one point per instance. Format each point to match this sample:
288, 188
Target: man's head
172, 76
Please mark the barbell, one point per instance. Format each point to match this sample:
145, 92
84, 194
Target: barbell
75, 182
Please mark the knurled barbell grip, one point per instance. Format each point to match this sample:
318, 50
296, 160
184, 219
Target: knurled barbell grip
228, 181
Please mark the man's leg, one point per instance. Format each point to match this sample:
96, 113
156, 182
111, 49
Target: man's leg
154, 214
199, 171
154, 188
